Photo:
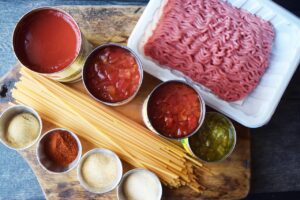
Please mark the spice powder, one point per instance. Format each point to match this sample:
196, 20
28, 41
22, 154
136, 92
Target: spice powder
61, 148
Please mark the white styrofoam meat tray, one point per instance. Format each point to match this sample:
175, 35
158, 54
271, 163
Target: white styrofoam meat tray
258, 107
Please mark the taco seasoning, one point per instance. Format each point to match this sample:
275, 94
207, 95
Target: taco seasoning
59, 150
214, 141
112, 74
174, 110
49, 41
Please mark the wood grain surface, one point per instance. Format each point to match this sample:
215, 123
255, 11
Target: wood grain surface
230, 179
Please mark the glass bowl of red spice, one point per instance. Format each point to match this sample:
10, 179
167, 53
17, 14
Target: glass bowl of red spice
174, 110
59, 151
112, 74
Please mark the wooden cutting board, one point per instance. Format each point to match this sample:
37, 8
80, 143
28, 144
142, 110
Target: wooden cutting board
101, 24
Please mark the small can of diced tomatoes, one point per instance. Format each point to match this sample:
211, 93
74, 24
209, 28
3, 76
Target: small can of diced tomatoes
174, 110
48, 41
112, 74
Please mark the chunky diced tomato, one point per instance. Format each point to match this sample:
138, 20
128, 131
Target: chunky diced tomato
177, 105
124, 73
118, 68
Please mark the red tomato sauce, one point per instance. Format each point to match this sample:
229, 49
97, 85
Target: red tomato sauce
174, 110
47, 41
112, 74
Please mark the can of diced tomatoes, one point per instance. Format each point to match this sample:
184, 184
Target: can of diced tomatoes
112, 74
174, 110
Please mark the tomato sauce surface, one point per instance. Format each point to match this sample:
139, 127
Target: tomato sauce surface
112, 74
174, 110
47, 41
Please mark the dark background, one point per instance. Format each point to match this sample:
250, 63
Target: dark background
275, 147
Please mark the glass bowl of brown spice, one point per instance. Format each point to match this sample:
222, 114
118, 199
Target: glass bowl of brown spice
59, 151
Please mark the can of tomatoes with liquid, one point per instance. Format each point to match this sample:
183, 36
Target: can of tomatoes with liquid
112, 74
48, 41
174, 110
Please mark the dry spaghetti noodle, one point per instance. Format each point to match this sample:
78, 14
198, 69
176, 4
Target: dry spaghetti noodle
104, 127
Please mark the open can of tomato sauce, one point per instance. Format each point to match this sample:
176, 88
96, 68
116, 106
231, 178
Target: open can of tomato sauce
48, 41
174, 110
214, 141
112, 74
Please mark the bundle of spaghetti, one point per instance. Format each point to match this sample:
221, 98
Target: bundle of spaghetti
104, 127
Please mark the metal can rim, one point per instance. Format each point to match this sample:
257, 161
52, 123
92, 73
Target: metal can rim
187, 142
140, 67
202, 108
47, 8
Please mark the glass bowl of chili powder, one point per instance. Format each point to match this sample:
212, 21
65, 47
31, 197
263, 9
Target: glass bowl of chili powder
174, 110
59, 151
112, 74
